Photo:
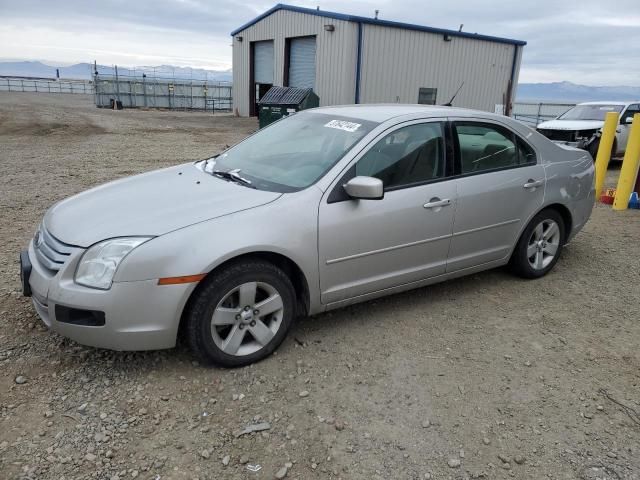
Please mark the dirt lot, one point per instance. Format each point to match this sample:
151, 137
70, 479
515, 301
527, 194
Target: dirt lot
483, 377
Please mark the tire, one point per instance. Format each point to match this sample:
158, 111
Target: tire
593, 149
537, 251
614, 149
220, 330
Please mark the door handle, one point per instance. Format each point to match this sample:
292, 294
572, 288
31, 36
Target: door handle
436, 202
532, 183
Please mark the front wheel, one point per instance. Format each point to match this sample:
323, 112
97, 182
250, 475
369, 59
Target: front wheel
539, 246
593, 149
241, 314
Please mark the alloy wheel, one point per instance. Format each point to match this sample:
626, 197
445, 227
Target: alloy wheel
247, 318
543, 244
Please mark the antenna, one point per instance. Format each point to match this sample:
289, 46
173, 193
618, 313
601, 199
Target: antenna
461, 25
377, 12
450, 102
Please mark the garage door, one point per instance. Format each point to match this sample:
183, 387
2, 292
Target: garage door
302, 62
263, 62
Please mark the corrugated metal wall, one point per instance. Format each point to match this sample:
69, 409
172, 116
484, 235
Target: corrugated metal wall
397, 62
335, 55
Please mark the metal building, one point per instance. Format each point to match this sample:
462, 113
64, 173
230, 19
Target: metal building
349, 59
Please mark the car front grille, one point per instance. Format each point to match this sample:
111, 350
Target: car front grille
51, 252
559, 135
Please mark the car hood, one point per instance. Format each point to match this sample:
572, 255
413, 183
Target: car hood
571, 125
151, 204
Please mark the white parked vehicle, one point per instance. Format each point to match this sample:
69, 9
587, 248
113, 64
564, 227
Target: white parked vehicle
582, 125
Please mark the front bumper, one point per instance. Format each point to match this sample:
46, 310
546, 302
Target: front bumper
140, 315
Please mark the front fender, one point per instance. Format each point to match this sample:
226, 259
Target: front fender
287, 226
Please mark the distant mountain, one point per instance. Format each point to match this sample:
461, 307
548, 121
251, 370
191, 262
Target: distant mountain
37, 69
84, 71
571, 92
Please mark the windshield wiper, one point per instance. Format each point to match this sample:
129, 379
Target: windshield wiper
233, 175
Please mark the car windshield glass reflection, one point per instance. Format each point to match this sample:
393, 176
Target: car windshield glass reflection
291, 154
589, 112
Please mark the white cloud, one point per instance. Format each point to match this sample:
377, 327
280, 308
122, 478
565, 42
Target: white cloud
585, 41
124, 46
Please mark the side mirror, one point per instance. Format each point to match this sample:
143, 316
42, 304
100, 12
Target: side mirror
365, 188
628, 120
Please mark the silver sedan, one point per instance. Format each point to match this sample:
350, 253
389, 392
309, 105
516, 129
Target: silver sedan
323, 209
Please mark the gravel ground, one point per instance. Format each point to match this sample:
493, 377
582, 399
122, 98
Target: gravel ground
483, 377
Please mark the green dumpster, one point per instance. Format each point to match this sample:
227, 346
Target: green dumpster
279, 102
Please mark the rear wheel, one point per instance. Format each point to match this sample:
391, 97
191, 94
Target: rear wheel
539, 246
241, 314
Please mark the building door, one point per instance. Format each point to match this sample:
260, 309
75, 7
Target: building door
262, 71
302, 62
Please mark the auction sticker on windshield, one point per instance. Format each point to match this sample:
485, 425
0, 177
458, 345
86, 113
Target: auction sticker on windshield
343, 125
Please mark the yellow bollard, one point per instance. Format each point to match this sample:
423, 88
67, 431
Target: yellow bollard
630, 165
604, 150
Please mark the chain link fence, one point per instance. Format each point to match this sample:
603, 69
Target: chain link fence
536, 113
146, 92
160, 87
45, 85
157, 88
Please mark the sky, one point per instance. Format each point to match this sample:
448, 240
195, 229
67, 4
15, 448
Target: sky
591, 42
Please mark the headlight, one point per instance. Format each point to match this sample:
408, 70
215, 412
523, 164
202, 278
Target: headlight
99, 263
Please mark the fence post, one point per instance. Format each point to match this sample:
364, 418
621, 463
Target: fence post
144, 88
630, 165
538, 116
117, 85
96, 95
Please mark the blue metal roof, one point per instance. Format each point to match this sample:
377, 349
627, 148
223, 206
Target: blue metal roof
375, 21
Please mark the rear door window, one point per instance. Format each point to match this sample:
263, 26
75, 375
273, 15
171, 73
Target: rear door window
485, 146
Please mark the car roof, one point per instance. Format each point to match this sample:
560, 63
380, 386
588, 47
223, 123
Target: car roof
382, 112
610, 103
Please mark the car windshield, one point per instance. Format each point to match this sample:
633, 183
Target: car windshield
589, 112
292, 153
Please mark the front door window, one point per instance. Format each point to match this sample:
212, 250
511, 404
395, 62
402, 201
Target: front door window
410, 155
629, 113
